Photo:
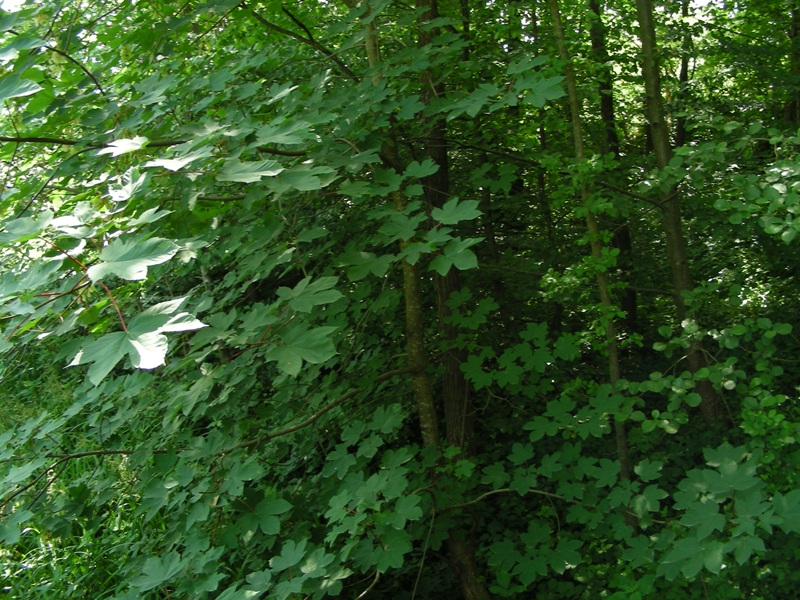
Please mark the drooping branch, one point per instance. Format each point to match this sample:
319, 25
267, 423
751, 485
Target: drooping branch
63, 458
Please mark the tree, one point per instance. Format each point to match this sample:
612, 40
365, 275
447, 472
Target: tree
329, 299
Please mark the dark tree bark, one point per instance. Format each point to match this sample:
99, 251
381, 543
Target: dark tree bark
455, 389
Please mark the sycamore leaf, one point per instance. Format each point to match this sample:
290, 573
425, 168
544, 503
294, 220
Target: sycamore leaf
104, 352
158, 570
147, 351
133, 184
307, 294
14, 87
129, 258
248, 172
124, 145
287, 132
144, 342
151, 215
150, 350
179, 162
291, 554
25, 228
301, 344
454, 211
456, 254
420, 170
304, 178
394, 545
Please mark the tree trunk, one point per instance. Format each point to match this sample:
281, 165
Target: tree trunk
594, 234
457, 413
605, 87
669, 201
455, 389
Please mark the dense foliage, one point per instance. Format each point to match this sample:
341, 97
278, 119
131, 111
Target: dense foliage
357, 298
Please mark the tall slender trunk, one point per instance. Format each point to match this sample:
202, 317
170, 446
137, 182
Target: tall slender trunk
455, 389
457, 413
669, 198
791, 111
605, 87
594, 233
683, 78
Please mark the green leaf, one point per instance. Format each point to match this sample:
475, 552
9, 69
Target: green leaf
11, 86
304, 178
640, 552
648, 501
129, 257
301, 344
455, 211
157, 571
25, 228
520, 453
648, 471
286, 132
566, 556
420, 170
307, 294
407, 509
291, 554
124, 145
394, 545
787, 507
248, 172
181, 160
267, 511
704, 517
144, 341
134, 184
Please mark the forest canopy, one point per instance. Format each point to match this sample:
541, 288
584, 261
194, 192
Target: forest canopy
416, 300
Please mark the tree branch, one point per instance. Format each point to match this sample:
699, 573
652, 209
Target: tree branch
79, 65
316, 416
308, 41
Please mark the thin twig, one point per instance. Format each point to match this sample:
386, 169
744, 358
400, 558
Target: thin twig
371, 586
80, 66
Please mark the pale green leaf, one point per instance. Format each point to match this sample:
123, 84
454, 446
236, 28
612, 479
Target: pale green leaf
248, 172
124, 145
181, 161
128, 258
